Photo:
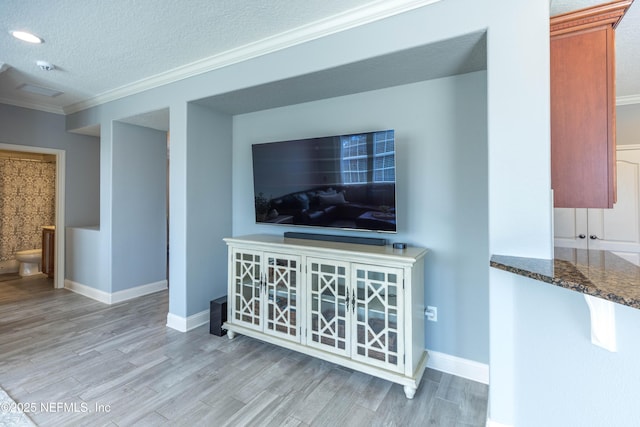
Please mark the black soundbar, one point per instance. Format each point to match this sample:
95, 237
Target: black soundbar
374, 241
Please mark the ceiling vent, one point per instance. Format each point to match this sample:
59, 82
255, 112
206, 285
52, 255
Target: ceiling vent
38, 90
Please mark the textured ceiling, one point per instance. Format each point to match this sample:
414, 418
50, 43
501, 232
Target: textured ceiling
98, 46
103, 48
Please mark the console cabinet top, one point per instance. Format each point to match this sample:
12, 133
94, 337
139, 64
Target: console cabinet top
409, 256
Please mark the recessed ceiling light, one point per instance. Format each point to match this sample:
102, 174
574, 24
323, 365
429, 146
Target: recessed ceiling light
27, 37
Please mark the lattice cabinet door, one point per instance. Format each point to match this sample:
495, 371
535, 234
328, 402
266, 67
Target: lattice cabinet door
328, 305
378, 316
247, 280
282, 290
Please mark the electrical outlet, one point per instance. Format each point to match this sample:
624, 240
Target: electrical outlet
431, 313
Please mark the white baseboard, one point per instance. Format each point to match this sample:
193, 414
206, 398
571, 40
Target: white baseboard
458, 366
442, 362
116, 297
87, 291
138, 291
185, 324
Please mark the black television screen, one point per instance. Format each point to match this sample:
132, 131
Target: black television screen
344, 181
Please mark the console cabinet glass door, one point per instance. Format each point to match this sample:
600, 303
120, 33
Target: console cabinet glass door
328, 311
281, 285
377, 323
265, 292
247, 281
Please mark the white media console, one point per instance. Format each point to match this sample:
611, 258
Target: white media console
356, 305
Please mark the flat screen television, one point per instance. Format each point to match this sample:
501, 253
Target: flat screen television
342, 181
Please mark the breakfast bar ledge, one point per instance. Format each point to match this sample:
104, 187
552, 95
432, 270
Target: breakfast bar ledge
603, 277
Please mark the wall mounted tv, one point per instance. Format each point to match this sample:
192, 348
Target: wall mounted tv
343, 181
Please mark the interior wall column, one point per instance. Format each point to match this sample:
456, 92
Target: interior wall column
178, 218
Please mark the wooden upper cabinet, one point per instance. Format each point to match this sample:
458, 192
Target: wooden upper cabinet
583, 106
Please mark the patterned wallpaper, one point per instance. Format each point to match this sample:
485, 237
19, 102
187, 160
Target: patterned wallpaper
27, 202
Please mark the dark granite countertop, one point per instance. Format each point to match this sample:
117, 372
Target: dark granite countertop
598, 273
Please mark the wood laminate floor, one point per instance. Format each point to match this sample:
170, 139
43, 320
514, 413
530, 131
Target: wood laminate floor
93, 364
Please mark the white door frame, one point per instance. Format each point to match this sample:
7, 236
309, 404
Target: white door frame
58, 279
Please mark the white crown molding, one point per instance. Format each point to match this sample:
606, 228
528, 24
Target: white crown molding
315, 30
627, 147
628, 100
33, 106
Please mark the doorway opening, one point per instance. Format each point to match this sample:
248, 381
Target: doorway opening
59, 241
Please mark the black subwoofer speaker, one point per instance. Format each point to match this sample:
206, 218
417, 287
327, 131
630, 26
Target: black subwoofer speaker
218, 315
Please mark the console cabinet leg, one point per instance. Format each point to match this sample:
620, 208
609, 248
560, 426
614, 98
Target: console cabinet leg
410, 391
231, 334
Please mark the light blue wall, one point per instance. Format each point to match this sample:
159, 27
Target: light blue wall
441, 170
529, 356
200, 207
178, 222
520, 210
139, 214
25, 127
22, 126
628, 124
208, 205
574, 382
517, 119
83, 261
409, 30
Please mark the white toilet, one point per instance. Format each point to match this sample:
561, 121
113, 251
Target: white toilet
29, 262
